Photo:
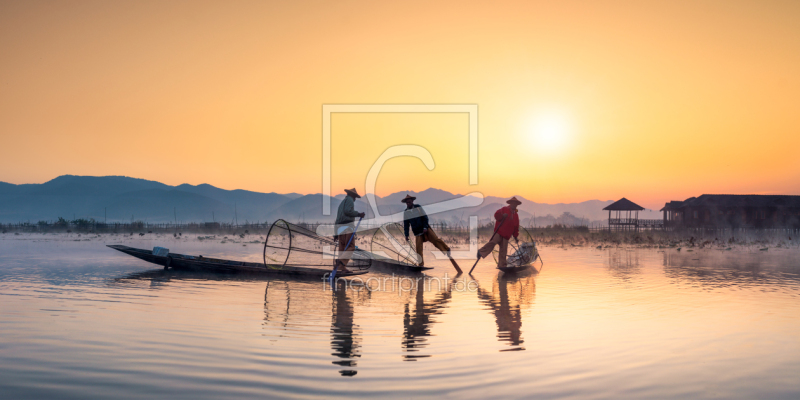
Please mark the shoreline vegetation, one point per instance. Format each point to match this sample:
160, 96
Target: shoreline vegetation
549, 236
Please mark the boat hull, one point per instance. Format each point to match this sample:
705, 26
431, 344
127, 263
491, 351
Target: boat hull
514, 270
388, 265
199, 263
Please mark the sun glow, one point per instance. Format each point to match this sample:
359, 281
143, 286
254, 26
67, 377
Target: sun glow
550, 131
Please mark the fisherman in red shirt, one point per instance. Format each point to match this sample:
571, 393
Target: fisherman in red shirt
507, 225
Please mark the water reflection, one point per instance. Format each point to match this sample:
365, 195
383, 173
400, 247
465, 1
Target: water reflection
66, 321
344, 339
292, 306
416, 324
509, 295
624, 264
166, 275
721, 268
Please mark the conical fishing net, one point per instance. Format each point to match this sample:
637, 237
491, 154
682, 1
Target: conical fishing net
390, 241
290, 245
521, 253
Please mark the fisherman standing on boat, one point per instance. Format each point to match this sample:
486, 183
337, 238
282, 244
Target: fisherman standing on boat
414, 216
507, 225
344, 228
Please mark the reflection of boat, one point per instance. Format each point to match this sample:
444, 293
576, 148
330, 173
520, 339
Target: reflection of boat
200, 263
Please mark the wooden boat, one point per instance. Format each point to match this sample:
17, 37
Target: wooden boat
389, 265
514, 270
200, 263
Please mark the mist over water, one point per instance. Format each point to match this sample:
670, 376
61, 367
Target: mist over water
79, 320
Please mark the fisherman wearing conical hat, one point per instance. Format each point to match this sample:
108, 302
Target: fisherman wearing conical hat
506, 226
344, 228
414, 217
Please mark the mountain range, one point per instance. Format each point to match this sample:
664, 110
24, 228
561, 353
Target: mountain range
119, 198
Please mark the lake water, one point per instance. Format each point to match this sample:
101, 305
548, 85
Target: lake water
79, 320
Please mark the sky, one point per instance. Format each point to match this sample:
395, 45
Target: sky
649, 100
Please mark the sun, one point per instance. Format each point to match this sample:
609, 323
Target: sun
550, 131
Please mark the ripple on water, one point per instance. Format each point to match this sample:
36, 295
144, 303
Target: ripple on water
80, 320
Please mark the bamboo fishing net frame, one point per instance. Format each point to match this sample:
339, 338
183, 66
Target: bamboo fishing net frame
525, 253
396, 249
291, 245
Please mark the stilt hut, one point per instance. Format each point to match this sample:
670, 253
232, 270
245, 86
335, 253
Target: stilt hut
623, 215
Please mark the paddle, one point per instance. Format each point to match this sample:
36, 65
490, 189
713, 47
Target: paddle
336, 263
455, 264
490, 239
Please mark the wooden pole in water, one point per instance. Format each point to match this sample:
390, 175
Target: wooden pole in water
490, 239
455, 264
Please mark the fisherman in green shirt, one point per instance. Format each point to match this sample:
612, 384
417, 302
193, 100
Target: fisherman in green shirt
344, 228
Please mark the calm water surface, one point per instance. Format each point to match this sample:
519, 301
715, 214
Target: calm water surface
79, 320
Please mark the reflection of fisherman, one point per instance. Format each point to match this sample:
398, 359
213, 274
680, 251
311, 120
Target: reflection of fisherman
415, 217
508, 316
507, 225
345, 229
343, 341
417, 324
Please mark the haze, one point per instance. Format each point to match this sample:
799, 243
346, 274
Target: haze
577, 100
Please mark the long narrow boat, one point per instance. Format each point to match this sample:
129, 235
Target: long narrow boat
200, 263
388, 265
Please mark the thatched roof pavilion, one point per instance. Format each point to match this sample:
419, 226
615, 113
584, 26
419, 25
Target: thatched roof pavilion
623, 204
627, 215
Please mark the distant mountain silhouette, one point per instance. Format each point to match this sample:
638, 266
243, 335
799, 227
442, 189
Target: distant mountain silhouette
122, 198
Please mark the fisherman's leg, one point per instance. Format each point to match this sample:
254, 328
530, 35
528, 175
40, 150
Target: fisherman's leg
436, 242
488, 247
502, 262
420, 243
344, 257
442, 246
340, 249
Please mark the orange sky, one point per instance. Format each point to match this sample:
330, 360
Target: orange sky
651, 100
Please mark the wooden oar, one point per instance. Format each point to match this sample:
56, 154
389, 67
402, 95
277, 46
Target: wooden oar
336, 263
455, 264
490, 239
